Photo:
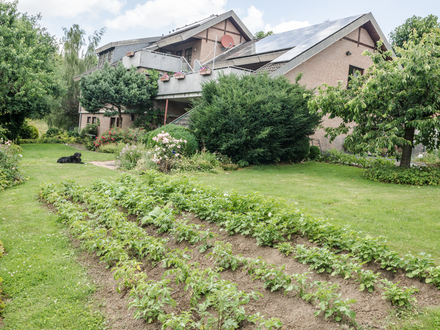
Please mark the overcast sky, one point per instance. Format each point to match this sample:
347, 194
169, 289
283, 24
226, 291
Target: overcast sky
131, 19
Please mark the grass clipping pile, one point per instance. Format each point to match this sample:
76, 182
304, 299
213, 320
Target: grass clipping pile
174, 249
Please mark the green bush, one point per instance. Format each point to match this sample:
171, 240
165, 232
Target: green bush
416, 175
29, 132
28, 141
254, 119
129, 156
111, 148
177, 132
9, 169
314, 152
334, 156
53, 132
89, 129
116, 135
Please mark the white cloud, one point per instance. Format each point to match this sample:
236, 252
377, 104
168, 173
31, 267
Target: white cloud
286, 26
254, 20
69, 8
156, 14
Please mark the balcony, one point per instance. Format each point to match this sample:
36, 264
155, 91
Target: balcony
191, 86
156, 60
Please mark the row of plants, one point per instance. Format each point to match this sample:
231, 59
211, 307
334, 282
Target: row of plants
320, 293
271, 221
117, 240
10, 155
415, 175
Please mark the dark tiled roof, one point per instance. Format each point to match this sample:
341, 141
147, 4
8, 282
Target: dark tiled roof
229, 53
270, 67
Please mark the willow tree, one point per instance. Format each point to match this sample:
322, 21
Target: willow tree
394, 106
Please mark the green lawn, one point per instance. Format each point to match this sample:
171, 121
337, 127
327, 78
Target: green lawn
47, 288
407, 215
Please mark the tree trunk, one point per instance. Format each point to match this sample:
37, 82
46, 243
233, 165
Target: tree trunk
407, 148
120, 117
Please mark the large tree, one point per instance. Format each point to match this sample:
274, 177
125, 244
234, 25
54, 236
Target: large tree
28, 81
394, 106
254, 119
421, 25
118, 90
77, 56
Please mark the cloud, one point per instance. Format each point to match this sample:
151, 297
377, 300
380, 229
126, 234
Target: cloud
286, 26
254, 19
69, 8
156, 14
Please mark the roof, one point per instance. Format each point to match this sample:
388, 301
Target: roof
125, 43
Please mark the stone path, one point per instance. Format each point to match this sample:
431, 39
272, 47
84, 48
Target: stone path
108, 164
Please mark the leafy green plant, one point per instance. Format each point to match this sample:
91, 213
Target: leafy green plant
416, 175
178, 133
314, 152
129, 156
401, 297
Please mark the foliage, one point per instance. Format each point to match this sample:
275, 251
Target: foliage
29, 132
115, 135
91, 129
401, 297
117, 90
394, 104
9, 169
262, 34
430, 158
149, 119
204, 161
74, 61
129, 156
53, 131
2, 303
254, 119
334, 156
177, 132
167, 151
402, 34
111, 148
27, 66
314, 152
416, 175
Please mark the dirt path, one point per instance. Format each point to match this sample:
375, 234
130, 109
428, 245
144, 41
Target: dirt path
110, 164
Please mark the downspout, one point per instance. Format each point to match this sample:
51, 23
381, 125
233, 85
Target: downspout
166, 112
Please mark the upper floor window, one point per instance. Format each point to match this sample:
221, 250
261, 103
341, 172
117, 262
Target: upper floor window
179, 53
188, 54
353, 71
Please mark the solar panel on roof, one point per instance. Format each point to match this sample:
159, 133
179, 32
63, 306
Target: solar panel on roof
307, 36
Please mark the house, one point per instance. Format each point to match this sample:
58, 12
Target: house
324, 53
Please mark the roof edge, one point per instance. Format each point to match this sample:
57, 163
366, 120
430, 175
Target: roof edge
124, 43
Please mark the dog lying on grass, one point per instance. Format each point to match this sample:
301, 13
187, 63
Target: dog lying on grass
76, 159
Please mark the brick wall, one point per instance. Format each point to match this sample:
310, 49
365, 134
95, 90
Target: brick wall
330, 66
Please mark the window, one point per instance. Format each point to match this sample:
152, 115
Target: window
353, 72
114, 122
132, 117
188, 54
179, 53
93, 120
88, 120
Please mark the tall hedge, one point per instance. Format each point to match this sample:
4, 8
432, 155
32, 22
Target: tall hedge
254, 119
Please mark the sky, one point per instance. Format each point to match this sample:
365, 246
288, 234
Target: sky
132, 19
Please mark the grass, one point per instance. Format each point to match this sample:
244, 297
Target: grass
45, 285
406, 215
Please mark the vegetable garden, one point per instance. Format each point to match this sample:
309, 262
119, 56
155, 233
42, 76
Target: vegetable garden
192, 257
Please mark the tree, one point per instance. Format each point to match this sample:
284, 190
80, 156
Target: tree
395, 104
262, 34
118, 90
400, 35
254, 119
28, 82
74, 61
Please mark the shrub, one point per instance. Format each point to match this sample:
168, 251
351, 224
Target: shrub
314, 152
116, 135
53, 132
146, 163
89, 129
334, 156
129, 156
423, 175
177, 132
254, 119
111, 148
167, 151
430, 158
9, 170
29, 132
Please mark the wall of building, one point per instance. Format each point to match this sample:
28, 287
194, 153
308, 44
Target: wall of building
331, 66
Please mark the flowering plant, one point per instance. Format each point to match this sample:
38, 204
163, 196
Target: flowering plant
128, 157
204, 68
116, 135
167, 151
9, 170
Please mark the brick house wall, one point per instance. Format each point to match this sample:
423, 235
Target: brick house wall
331, 66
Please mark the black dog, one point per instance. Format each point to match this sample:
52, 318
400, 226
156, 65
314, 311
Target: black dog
76, 158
